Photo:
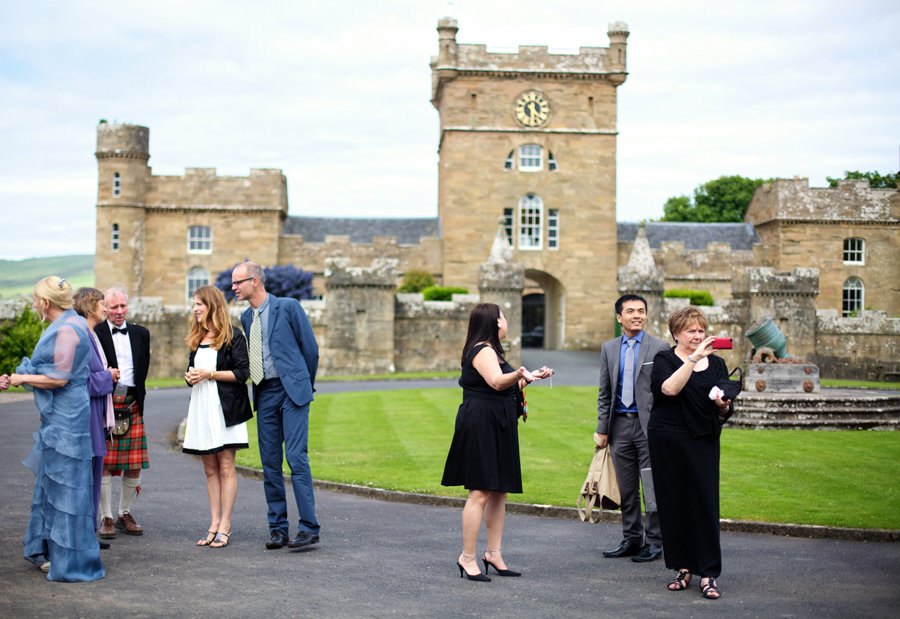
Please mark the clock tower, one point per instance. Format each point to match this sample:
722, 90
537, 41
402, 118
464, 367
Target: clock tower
531, 136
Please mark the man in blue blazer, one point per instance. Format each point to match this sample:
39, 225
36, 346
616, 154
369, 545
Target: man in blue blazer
284, 357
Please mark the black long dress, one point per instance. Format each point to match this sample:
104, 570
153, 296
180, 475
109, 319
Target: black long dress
683, 436
484, 453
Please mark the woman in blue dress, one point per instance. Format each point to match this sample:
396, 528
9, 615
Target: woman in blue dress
61, 529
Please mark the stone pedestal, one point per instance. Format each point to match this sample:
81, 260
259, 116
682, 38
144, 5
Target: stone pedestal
781, 378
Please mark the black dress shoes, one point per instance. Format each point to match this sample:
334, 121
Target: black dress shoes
650, 552
277, 540
104, 545
626, 549
303, 539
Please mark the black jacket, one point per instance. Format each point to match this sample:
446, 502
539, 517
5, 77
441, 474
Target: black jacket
140, 355
233, 396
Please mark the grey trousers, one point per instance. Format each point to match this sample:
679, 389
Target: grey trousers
630, 453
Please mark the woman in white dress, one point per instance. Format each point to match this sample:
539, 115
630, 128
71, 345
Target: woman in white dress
220, 406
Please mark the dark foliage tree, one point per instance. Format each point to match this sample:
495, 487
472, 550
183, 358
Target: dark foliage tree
282, 281
722, 200
416, 281
19, 340
876, 180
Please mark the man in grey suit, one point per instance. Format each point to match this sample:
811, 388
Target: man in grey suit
623, 408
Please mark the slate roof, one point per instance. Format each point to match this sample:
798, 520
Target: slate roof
408, 231
740, 236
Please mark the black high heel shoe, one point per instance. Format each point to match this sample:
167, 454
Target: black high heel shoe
464, 573
498, 570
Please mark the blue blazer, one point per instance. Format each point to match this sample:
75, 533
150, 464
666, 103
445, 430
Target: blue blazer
293, 347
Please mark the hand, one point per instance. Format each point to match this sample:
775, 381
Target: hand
523, 373
602, 438
4, 382
544, 372
722, 404
16, 381
195, 375
114, 373
704, 349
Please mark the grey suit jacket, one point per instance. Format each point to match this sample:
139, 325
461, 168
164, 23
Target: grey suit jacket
609, 380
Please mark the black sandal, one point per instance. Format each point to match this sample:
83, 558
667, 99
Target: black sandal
219, 541
206, 541
681, 582
710, 591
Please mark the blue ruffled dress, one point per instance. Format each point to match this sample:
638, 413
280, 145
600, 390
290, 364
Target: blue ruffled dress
61, 526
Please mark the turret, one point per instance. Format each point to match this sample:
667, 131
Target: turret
618, 35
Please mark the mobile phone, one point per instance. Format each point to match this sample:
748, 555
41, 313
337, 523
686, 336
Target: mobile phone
722, 342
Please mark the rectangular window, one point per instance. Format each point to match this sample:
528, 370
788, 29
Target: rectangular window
200, 240
509, 163
117, 185
530, 226
854, 251
553, 228
508, 224
115, 237
530, 158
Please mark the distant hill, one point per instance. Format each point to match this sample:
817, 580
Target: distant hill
18, 277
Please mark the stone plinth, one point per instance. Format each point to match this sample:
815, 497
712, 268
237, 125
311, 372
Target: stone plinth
782, 378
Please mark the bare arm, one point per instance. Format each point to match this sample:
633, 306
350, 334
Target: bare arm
36, 380
676, 382
487, 364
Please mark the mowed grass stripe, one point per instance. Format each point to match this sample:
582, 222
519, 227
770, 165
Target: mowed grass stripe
399, 440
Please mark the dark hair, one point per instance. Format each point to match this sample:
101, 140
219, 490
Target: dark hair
629, 297
86, 301
483, 328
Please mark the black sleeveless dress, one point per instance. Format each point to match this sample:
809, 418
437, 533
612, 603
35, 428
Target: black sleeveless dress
484, 454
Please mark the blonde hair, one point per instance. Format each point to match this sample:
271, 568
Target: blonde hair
217, 320
684, 317
86, 301
56, 290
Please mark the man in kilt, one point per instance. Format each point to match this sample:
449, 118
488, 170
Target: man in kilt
127, 348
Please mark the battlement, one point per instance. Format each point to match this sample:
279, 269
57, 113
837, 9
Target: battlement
768, 281
851, 201
122, 140
202, 188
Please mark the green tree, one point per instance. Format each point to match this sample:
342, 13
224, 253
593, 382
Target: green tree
416, 281
722, 200
876, 180
19, 340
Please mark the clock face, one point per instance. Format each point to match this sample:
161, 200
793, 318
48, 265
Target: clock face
532, 109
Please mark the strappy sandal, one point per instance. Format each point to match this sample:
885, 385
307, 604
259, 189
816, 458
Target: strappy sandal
206, 541
710, 591
680, 582
219, 541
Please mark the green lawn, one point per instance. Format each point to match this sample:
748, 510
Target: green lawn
858, 384
398, 440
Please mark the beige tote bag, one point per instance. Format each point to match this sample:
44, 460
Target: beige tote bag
601, 488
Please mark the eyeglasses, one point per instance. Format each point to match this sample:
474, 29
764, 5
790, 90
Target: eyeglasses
241, 281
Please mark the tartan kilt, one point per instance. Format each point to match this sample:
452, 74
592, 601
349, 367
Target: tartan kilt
129, 451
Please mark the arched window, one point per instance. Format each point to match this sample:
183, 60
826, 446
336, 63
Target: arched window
115, 237
854, 296
531, 158
197, 277
510, 162
551, 163
854, 251
531, 223
117, 185
200, 240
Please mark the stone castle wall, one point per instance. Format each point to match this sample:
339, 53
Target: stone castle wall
860, 348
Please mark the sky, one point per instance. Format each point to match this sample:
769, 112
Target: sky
336, 94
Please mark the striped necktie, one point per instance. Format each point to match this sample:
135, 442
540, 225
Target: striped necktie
256, 362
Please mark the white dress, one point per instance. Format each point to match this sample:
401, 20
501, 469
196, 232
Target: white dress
205, 432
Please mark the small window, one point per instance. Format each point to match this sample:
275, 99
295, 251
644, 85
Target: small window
197, 277
553, 228
200, 240
854, 251
551, 163
530, 225
117, 185
508, 224
115, 237
854, 295
510, 162
530, 158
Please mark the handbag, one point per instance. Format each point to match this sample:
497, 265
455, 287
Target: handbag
601, 488
123, 420
521, 405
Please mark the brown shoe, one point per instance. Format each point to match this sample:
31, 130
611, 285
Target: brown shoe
107, 529
127, 524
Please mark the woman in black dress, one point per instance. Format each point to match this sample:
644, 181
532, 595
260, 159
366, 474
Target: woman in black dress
484, 454
683, 435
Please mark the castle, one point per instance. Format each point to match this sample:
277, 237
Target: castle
528, 138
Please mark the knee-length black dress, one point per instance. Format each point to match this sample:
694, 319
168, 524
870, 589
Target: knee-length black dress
484, 454
683, 436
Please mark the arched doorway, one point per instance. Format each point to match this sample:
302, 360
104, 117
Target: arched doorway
543, 311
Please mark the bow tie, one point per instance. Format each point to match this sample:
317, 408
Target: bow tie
123, 330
